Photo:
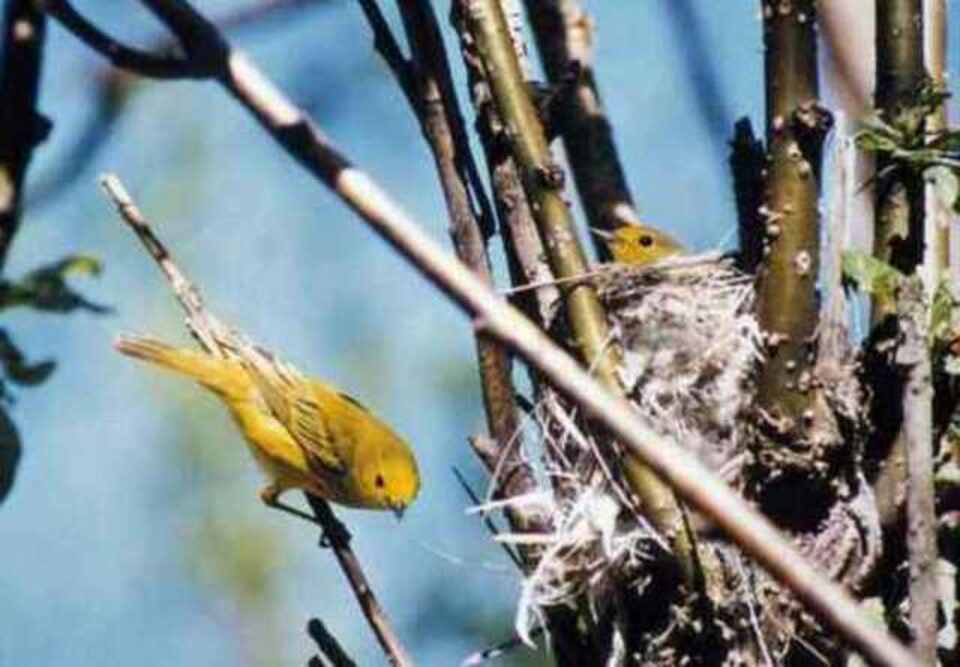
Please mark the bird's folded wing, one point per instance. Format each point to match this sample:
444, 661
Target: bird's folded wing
290, 398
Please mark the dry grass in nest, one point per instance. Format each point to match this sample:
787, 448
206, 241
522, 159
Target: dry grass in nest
690, 344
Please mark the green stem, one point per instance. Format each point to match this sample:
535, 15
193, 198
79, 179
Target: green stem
787, 299
563, 33
543, 182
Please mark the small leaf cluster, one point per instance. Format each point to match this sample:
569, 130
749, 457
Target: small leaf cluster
906, 145
45, 289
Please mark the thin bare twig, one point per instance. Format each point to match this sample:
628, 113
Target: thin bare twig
115, 87
487, 521
914, 356
564, 34
438, 111
526, 255
328, 644
748, 160
690, 478
386, 45
145, 63
21, 126
210, 332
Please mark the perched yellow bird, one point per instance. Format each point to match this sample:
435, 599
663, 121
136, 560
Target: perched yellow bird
303, 433
639, 245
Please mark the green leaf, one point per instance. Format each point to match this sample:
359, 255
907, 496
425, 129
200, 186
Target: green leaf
871, 275
46, 288
942, 312
16, 367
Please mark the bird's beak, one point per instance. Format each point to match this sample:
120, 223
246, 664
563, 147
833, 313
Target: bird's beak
602, 233
398, 511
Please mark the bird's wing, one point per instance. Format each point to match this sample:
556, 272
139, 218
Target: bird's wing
289, 396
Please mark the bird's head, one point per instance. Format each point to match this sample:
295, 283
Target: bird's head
639, 245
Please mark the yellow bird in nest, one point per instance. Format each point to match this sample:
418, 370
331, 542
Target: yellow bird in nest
639, 245
303, 433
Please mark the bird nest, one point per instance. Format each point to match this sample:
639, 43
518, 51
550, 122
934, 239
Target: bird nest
689, 346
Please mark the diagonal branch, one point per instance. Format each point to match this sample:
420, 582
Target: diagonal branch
328, 644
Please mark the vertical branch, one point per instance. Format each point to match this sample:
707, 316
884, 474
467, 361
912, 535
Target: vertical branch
898, 231
787, 300
913, 355
564, 36
543, 182
899, 224
526, 255
747, 164
21, 127
940, 216
438, 111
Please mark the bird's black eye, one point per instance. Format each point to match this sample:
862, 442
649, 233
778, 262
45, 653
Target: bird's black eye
646, 240
379, 481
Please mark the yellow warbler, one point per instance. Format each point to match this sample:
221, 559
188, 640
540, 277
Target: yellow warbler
303, 433
639, 245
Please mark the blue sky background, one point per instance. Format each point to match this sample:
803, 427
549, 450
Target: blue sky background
134, 533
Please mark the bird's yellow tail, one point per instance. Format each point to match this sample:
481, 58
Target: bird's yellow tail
226, 378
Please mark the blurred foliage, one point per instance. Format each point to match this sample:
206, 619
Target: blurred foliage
907, 146
44, 289
17, 369
870, 275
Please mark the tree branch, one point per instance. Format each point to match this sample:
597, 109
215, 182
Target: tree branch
748, 162
690, 478
786, 283
564, 36
898, 237
115, 87
898, 233
328, 645
941, 217
209, 332
438, 111
914, 356
543, 182
144, 63
21, 126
